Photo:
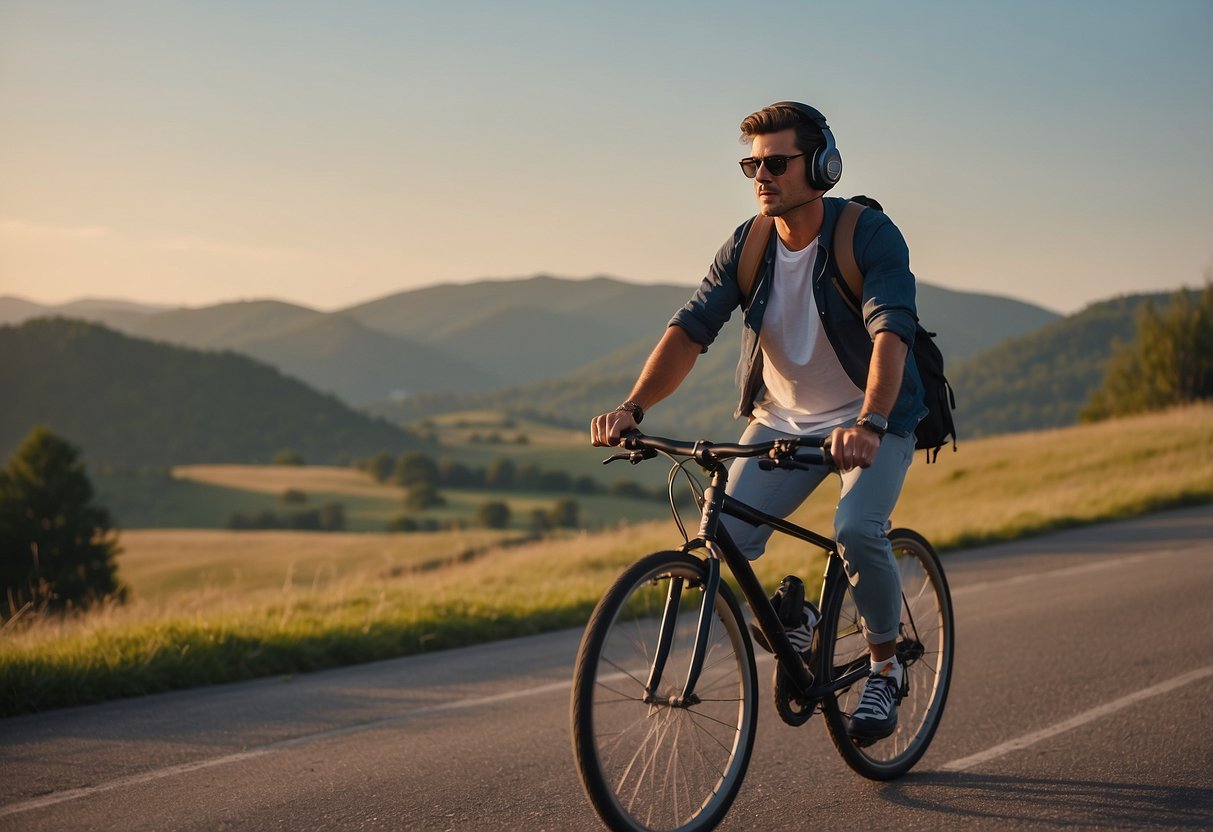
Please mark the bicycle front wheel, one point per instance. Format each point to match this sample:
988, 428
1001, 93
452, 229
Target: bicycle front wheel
654, 760
925, 648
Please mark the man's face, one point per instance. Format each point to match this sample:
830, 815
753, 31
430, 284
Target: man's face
779, 194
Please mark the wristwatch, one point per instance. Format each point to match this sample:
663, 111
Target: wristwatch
874, 422
636, 410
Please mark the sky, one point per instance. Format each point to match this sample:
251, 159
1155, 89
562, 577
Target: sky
327, 154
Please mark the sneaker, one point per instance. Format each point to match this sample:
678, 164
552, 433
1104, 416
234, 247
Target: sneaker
799, 617
876, 715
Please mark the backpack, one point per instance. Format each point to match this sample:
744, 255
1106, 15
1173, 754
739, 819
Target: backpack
933, 431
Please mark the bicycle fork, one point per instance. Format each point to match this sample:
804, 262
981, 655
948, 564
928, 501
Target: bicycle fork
703, 631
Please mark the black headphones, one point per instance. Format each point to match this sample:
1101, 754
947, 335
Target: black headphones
825, 168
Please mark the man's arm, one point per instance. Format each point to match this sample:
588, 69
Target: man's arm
669, 363
856, 447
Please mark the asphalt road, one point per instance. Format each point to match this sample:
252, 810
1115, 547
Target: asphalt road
1082, 698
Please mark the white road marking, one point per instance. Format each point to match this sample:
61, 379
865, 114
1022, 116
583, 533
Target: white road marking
185, 768
1106, 709
1066, 571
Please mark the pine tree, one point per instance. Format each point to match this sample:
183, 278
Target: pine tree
57, 548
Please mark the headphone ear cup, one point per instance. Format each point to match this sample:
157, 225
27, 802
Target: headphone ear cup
826, 167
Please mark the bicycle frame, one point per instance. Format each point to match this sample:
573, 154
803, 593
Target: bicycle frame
715, 539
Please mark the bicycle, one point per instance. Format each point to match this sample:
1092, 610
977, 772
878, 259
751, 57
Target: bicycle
664, 700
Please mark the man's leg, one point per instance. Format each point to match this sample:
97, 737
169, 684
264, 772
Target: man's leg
778, 492
860, 525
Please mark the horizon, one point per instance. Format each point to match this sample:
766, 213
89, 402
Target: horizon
193, 154
166, 307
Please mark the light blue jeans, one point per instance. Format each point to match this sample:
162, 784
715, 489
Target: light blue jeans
860, 521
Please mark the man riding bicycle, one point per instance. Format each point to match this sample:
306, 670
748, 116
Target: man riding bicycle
811, 367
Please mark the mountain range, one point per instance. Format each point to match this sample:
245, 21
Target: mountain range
555, 349
479, 337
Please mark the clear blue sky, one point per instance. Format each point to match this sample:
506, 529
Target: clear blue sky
330, 153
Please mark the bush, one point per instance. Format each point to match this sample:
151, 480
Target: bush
493, 515
293, 496
564, 514
421, 497
288, 456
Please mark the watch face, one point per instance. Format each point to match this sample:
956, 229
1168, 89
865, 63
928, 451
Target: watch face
875, 421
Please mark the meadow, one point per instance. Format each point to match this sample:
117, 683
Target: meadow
207, 496
211, 606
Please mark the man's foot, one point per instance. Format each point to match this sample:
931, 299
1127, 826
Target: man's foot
798, 616
801, 637
876, 715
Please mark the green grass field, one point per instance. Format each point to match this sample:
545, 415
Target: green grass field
206, 496
211, 607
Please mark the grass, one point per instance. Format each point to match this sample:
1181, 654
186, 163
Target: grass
212, 607
206, 496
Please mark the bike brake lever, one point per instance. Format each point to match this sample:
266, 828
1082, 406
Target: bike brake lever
634, 457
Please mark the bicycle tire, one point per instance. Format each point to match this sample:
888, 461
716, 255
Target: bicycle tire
926, 620
651, 766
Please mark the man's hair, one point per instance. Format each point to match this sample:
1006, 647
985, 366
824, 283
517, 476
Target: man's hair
774, 119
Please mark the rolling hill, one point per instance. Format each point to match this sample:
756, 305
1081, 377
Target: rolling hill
1043, 378
132, 402
482, 336
1038, 379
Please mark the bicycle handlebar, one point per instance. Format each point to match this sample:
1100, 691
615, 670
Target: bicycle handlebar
780, 453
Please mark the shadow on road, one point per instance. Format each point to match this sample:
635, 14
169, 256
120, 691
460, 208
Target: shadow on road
1039, 802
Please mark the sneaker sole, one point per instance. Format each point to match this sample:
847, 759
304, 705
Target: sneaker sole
870, 735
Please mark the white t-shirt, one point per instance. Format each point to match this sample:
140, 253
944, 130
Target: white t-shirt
805, 388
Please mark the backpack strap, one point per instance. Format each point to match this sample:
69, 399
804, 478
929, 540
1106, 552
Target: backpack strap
752, 251
851, 286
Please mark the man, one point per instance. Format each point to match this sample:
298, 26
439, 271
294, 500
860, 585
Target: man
811, 367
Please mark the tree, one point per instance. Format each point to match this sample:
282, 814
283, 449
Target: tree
493, 515
564, 514
502, 474
57, 547
288, 456
421, 497
416, 468
1169, 363
332, 517
380, 466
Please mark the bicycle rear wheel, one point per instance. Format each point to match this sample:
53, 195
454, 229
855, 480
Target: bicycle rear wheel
663, 764
925, 648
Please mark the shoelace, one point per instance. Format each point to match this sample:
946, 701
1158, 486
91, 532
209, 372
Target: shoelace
877, 699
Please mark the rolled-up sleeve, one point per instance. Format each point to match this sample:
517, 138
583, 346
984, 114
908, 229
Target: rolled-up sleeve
888, 284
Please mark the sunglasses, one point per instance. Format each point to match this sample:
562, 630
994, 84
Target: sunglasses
776, 165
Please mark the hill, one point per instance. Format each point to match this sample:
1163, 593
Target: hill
114, 313
1043, 378
589, 319
131, 402
338, 355
482, 336
1036, 380
225, 325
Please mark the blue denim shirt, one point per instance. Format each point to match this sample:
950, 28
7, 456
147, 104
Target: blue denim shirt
888, 305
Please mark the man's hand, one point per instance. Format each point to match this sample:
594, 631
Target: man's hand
853, 447
609, 427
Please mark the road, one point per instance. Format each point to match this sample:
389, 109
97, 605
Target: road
1083, 698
